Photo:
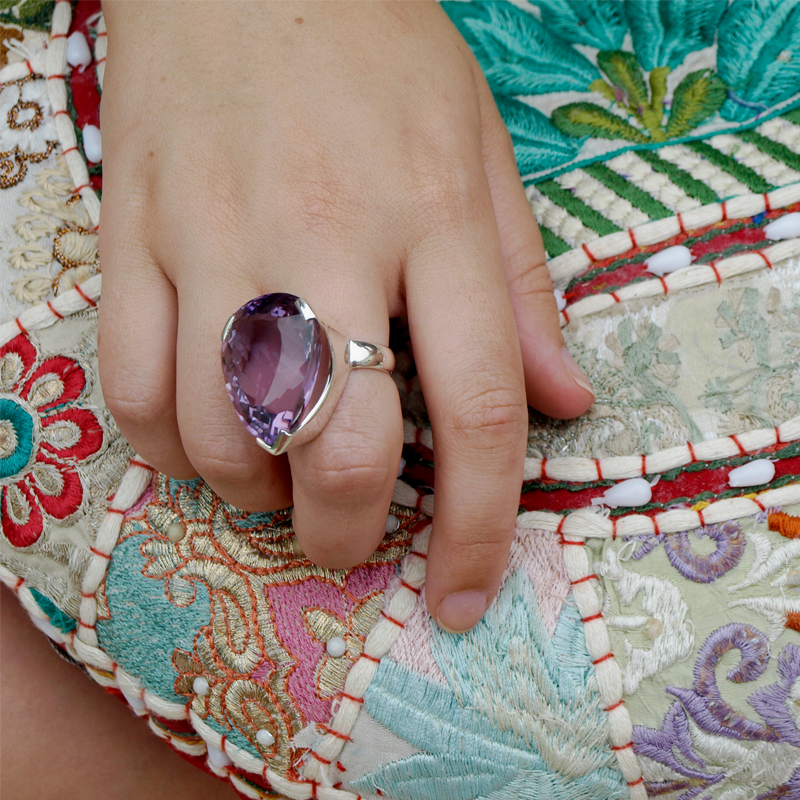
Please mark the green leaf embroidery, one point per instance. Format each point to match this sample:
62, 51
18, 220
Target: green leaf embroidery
623, 70
588, 119
658, 88
699, 95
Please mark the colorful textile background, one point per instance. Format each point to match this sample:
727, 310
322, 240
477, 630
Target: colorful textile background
633, 651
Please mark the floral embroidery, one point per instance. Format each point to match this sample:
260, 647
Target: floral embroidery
533, 57
41, 440
520, 716
259, 613
9, 34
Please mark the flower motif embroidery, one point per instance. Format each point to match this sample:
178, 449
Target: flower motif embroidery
42, 439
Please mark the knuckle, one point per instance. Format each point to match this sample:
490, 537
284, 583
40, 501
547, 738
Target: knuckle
348, 470
131, 403
527, 280
225, 471
447, 192
489, 413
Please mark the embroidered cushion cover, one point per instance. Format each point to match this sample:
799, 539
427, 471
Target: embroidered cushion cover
631, 651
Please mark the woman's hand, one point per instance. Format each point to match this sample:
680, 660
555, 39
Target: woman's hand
351, 154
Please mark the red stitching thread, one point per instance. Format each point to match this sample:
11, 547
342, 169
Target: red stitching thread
603, 658
412, 588
664, 284
20, 326
29, 66
333, 732
588, 252
320, 758
116, 511
86, 297
340, 767
85, 625
98, 553
59, 36
560, 526
724, 211
350, 697
614, 529
766, 203
87, 595
135, 463
392, 619
69, 150
691, 453
55, 313
655, 526
599, 615
371, 658
599, 471
614, 295
616, 705
544, 469
62, 111
716, 273
100, 61
566, 316
777, 436
636, 782
702, 518
759, 503
82, 186
54, 77
736, 441
644, 464
633, 238
19, 583
680, 223
622, 746
582, 580
418, 554
766, 260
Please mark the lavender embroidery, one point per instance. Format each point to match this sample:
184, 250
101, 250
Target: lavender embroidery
693, 566
703, 704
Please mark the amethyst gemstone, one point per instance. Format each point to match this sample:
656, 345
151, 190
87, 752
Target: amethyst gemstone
276, 365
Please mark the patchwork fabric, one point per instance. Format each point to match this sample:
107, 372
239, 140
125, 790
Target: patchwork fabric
632, 651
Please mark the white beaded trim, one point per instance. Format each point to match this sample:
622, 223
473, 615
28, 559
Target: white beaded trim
607, 670
596, 525
566, 266
575, 469
687, 278
582, 470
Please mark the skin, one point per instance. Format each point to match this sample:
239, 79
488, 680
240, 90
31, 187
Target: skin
351, 154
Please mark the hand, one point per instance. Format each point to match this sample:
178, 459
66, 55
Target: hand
351, 154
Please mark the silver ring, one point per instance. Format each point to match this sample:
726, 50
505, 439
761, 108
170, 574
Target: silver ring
281, 362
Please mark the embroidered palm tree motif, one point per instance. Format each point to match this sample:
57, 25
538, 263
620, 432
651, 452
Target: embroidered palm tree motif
697, 97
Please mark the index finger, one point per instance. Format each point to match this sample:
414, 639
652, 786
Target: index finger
468, 357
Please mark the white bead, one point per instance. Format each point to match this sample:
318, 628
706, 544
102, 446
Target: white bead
793, 579
134, 699
401, 467
336, 647
392, 523
92, 143
755, 473
265, 738
200, 686
176, 532
785, 227
78, 52
561, 301
653, 628
669, 259
630, 493
216, 757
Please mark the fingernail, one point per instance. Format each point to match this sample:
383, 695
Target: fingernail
461, 611
576, 373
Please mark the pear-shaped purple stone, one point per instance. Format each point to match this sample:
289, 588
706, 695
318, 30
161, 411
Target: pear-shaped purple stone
276, 365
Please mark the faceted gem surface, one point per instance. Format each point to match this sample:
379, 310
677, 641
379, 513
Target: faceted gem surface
276, 365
